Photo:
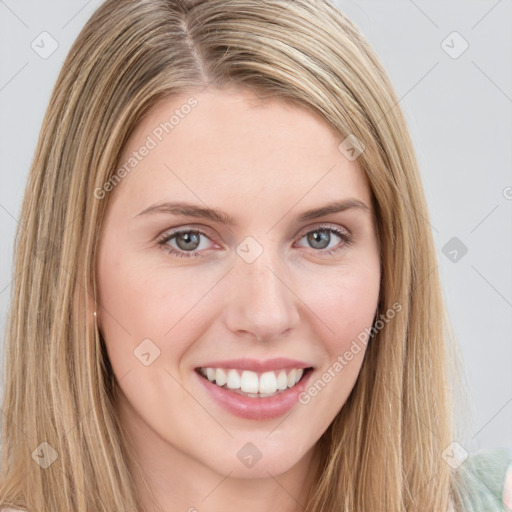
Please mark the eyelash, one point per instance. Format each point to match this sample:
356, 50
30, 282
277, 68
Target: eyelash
166, 237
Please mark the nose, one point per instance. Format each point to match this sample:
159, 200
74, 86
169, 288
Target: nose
261, 301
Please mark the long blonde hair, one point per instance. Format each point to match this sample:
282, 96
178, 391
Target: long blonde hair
384, 449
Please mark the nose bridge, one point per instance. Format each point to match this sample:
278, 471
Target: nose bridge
260, 300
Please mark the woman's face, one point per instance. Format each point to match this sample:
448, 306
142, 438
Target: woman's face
273, 291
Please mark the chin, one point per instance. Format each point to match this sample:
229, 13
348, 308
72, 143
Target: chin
258, 456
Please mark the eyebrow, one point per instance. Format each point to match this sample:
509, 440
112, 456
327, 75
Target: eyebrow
192, 210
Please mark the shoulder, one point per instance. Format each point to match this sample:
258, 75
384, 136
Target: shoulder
490, 474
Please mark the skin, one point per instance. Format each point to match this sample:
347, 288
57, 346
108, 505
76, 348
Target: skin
263, 164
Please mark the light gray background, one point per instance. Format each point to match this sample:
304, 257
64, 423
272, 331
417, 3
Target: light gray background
459, 113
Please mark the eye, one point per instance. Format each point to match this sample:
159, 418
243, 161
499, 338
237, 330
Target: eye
321, 237
188, 241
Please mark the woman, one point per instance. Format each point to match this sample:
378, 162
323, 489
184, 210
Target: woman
225, 293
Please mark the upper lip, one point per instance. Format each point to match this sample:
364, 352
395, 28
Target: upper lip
256, 365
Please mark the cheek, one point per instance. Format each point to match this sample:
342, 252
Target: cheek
345, 305
346, 302
139, 301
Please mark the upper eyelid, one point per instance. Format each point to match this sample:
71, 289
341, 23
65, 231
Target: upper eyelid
175, 231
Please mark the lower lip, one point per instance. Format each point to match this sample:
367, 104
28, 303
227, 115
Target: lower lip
256, 408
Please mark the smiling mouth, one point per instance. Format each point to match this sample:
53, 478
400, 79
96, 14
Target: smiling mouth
253, 384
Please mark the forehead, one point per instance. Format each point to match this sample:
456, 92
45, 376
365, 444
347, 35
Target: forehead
224, 143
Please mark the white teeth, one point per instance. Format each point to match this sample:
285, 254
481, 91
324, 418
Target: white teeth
233, 380
282, 380
291, 378
268, 383
262, 385
220, 377
249, 382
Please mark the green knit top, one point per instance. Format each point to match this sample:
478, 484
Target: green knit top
485, 472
